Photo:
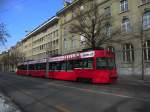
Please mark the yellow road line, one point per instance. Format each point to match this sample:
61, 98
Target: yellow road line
62, 108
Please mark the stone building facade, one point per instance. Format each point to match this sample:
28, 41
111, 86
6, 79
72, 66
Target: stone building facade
131, 16
42, 41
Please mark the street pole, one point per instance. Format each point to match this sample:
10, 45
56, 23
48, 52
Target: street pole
47, 64
142, 60
142, 45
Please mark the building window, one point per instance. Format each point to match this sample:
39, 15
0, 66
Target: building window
73, 41
82, 8
147, 50
128, 53
82, 39
65, 32
110, 48
57, 33
145, 1
65, 43
146, 20
108, 11
124, 5
126, 26
108, 30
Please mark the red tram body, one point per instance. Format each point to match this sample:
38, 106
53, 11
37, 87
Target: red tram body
97, 65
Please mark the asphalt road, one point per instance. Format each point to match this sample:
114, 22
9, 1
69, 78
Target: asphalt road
47, 95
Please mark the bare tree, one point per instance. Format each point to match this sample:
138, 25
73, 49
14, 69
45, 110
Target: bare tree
10, 60
3, 33
4, 61
16, 57
94, 26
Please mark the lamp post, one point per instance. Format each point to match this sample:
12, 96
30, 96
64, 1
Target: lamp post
47, 63
142, 45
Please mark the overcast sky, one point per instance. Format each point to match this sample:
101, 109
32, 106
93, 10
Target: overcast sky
25, 15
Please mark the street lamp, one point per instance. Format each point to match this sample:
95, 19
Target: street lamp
142, 44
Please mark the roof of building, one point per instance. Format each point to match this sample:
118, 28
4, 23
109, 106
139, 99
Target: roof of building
67, 7
50, 21
41, 27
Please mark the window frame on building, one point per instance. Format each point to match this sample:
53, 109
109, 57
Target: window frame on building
124, 5
82, 40
126, 25
108, 11
108, 30
65, 43
111, 48
146, 20
128, 52
146, 50
73, 43
145, 1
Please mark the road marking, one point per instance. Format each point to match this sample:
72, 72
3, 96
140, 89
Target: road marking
62, 108
139, 83
100, 92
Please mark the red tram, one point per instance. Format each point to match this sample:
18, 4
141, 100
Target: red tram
97, 65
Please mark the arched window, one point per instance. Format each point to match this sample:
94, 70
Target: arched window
147, 50
146, 20
128, 52
110, 48
126, 26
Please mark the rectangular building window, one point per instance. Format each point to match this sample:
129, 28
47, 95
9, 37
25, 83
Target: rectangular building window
126, 26
147, 50
73, 43
128, 52
108, 11
108, 30
123, 5
145, 1
146, 20
65, 43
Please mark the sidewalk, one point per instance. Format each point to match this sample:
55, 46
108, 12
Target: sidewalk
128, 78
6, 105
134, 78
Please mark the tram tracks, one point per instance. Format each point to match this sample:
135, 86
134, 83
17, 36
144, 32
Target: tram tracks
98, 89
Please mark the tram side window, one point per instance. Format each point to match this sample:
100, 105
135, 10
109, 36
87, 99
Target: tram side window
25, 67
21, 67
70, 65
37, 66
101, 63
31, 67
63, 66
88, 63
50, 66
43, 66
111, 63
40, 66
55, 66
78, 64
